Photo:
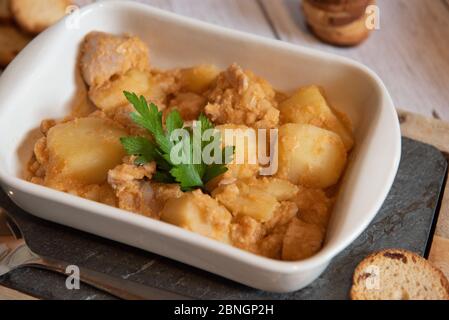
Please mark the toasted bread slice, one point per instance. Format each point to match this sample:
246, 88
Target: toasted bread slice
12, 41
105, 55
397, 274
34, 16
341, 28
5, 11
356, 7
319, 16
346, 35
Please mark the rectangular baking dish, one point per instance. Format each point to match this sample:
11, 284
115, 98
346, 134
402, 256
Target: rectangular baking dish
41, 82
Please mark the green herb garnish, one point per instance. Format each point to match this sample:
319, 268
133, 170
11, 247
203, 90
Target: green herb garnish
191, 173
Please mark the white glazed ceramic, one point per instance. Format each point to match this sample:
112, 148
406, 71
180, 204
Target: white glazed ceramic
41, 81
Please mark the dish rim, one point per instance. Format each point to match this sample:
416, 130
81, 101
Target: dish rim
163, 229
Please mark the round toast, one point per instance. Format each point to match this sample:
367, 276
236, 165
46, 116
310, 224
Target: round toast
5, 12
397, 274
12, 41
34, 16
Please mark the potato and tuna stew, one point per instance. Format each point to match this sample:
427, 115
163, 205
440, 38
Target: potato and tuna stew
218, 152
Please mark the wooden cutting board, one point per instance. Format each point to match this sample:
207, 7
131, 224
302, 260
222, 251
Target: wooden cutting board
434, 132
411, 218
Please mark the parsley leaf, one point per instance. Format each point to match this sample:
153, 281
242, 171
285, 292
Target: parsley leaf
214, 170
187, 177
163, 177
205, 122
141, 147
173, 122
149, 118
188, 174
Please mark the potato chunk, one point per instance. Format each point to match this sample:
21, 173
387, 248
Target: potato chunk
199, 213
302, 240
279, 188
245, 161
308, 106
310, 156
110, 95
199, 79
82, 151
241, 199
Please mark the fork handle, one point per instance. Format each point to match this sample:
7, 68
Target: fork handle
120, 288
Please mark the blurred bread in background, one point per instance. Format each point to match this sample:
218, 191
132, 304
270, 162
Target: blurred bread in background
35, 16
12, 40
338, 22
20, 20
355, 7
5, 11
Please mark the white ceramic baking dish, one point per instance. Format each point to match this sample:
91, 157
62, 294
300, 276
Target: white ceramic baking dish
41, 82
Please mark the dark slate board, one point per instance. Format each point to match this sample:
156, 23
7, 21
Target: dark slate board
405, 220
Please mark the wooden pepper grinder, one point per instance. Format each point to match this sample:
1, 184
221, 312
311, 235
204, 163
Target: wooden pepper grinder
338, 22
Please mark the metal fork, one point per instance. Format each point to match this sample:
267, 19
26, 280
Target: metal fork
16, 254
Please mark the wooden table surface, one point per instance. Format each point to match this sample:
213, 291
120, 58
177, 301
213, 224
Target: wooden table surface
410, 53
